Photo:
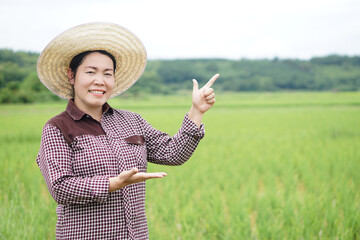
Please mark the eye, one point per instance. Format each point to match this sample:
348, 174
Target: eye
90, 72
108, 74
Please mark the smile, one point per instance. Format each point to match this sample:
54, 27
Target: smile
97, 91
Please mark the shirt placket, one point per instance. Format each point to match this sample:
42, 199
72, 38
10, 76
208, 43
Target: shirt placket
125, 191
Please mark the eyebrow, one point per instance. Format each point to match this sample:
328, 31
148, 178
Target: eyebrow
95, 68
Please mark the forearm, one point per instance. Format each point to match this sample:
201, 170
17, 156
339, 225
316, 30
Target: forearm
165, 150
79, 190
195, 116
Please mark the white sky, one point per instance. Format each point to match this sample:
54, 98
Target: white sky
196, 28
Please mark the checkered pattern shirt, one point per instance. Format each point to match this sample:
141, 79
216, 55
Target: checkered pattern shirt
78, 155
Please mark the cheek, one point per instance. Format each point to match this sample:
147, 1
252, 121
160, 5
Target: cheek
81, 83
111, 85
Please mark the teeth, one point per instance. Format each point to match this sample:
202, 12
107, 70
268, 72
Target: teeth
94, 91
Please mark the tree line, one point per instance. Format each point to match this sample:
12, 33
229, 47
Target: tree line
19, 82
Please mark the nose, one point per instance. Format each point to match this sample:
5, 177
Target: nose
98, 80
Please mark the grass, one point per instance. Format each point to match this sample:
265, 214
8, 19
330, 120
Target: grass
272, 166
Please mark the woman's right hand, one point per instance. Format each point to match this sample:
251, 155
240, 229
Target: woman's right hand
132, 176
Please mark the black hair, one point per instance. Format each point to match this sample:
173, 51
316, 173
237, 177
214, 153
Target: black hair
78, 59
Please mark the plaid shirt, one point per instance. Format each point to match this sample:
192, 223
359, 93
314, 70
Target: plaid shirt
78, 155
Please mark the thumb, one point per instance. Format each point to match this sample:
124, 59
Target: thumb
131, 172
195, 85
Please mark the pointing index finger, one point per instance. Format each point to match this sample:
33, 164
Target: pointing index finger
212, 80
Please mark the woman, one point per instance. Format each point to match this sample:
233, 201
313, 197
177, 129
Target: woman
93, 157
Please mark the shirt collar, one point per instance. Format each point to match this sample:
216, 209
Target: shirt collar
77, 114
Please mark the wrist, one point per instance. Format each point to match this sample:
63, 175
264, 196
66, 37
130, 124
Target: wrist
115, 184
195, 115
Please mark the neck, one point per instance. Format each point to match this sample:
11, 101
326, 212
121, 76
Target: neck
94, 111
96, 115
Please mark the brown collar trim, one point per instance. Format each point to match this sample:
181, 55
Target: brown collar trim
76, 114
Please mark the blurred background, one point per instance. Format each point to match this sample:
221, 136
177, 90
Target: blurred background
256, 45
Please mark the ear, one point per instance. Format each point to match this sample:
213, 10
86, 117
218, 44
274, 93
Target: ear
71, 76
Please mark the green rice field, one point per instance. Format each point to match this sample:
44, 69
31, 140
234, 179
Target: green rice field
271, 166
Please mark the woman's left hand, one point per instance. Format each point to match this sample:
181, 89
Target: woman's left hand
202, 100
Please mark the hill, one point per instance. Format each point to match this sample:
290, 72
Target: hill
19, 81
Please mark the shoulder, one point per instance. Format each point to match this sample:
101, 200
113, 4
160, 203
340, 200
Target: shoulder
60, 119
51, 136
64, 125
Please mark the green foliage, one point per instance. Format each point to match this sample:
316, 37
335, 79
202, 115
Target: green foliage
19, 82
336, 60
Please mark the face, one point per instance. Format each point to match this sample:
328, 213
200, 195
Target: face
93, 82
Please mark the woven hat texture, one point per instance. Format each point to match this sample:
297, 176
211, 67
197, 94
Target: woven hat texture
128, 50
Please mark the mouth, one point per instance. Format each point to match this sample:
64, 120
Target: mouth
97, 91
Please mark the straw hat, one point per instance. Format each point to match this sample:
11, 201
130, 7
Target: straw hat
128, 50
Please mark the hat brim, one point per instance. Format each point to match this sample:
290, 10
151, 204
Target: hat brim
127, 49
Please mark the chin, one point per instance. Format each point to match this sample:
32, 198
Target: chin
97, 102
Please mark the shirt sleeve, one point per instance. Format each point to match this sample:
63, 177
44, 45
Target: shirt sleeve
166, 150
54, 161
